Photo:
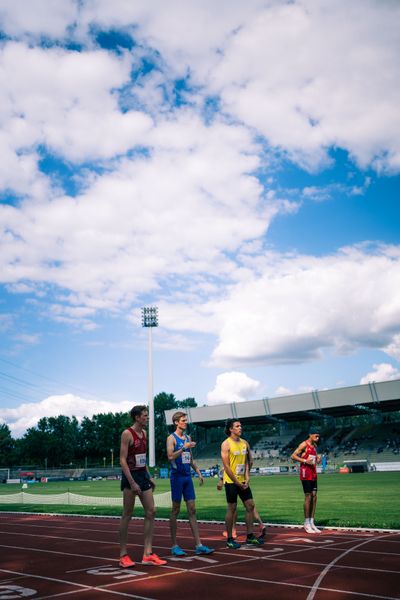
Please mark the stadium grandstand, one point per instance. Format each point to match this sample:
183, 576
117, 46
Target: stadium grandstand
359, 426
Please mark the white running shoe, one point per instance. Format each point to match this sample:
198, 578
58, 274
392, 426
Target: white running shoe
308, 528
315, 529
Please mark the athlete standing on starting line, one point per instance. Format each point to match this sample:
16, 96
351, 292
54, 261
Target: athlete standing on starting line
179, 451
235, 454
306, 455
136, 481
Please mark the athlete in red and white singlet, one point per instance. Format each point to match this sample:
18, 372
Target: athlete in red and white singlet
306, 455
308, 472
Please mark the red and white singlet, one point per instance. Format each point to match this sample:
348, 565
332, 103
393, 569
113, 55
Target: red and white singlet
309, 472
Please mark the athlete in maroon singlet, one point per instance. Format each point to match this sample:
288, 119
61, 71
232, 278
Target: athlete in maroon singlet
136, 481
306, 455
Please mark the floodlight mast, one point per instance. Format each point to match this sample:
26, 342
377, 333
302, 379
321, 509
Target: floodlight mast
150, 320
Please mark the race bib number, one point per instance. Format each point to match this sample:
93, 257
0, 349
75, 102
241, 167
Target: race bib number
313, 458
186, 458
140, 460
240, 469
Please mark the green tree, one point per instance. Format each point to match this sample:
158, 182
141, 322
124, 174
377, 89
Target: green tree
162, 402
6, 445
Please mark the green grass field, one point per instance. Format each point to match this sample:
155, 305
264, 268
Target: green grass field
357, 500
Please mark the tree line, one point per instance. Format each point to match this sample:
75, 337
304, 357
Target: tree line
58, 442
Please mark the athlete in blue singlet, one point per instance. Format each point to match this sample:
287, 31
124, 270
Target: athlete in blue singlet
179, 453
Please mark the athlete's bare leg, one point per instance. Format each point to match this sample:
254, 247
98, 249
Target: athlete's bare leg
307, 506
191, 509
176, 508
230, 512
313, 504
249, 516
128, 506
147, 500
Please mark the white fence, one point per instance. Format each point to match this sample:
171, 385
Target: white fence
386, 466
162, 500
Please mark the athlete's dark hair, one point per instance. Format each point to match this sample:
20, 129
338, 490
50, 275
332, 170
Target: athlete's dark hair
137, 411
228, 425
178, 415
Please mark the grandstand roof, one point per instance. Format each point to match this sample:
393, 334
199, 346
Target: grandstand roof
338, 402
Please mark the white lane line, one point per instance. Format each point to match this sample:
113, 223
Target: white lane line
298, 585
320, 577
84, 588
62, 553
85, 569
73, 539
80, 585
79, 518
303, 562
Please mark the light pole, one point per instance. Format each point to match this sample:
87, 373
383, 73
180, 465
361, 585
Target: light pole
112, 458
150, 320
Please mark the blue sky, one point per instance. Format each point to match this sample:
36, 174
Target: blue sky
237, 168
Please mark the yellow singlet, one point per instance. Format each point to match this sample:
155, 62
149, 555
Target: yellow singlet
237, 460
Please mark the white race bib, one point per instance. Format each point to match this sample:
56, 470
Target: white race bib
140, 460
240, 469
186, 458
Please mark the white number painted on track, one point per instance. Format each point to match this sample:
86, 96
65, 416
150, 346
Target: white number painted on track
11, 592
115, 573
308, 541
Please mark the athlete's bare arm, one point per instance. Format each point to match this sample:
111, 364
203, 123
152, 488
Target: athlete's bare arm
193, 463
298, 455
249, 462
171, 452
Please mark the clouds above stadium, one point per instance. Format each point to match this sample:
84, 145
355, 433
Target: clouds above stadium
233, 386
148, 149
19, 419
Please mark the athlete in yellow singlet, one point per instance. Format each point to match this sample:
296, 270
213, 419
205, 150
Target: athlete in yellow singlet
235, 455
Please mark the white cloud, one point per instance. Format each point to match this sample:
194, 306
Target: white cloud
297, 306
381, 372
278, 67
232, 386
283, 391
27, 415
65, 101
37, 17
131, 229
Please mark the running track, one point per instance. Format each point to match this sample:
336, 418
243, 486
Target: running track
76, 557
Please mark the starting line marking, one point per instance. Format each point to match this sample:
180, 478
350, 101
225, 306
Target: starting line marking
308, 541
10, 592
115, 573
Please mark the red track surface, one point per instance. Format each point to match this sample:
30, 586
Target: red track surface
77, 558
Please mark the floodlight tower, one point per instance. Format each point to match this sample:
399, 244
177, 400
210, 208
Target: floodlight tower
150, 320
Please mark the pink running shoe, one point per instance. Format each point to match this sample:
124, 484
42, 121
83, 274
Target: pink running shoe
153, 559
125, 562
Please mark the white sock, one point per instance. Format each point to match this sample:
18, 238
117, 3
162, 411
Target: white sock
311, 521
307, 522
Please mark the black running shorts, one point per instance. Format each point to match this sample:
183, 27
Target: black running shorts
142, 478
309, 486
232, 491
